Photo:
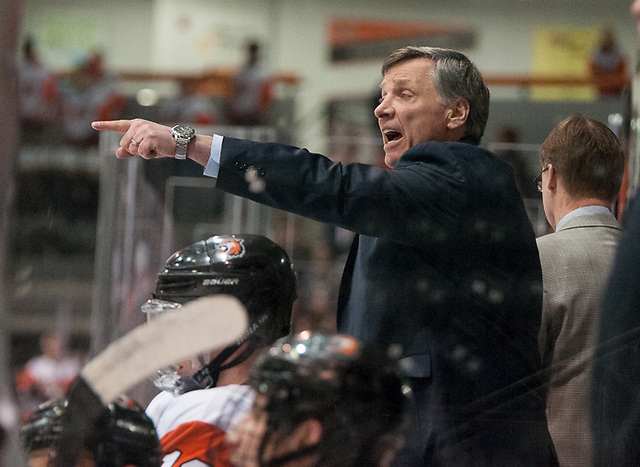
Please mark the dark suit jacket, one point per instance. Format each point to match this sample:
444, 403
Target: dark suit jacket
445, 265
615, 411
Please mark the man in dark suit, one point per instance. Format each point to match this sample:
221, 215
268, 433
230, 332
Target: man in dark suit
615, 405
444, 263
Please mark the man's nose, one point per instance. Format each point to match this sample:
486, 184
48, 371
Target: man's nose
382, 109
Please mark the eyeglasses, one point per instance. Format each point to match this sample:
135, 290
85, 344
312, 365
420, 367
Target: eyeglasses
538, 179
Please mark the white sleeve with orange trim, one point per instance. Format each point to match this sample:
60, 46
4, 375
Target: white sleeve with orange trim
192, 427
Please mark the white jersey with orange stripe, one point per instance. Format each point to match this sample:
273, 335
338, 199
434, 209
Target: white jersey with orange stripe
192, 426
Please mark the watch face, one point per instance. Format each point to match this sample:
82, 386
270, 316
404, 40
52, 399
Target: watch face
183, 131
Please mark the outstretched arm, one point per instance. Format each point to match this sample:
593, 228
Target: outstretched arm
150, 140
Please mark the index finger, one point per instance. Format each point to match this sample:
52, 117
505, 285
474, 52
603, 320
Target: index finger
120, 126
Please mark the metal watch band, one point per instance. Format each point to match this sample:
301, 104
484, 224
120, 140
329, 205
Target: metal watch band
181, 149
182, 134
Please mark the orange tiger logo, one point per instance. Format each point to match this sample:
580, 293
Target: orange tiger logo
231, 247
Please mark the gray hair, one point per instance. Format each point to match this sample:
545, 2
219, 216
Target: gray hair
454, 77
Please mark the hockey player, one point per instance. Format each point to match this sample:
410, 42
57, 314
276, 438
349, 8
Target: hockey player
322, 400
122, 436
206, 395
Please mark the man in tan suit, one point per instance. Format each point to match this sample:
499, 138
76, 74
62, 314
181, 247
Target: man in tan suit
582, 166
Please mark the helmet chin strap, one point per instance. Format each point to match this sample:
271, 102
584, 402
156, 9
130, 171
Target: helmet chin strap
215, 367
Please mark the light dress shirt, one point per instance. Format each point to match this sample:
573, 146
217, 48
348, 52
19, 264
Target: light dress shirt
213, 165
575, 213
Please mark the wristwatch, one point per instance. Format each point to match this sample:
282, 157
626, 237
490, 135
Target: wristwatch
182, 134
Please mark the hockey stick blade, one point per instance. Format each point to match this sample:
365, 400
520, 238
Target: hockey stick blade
199, 326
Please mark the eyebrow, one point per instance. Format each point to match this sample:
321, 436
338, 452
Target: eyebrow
398, 82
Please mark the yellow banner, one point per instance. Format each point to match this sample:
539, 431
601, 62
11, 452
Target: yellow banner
561, 51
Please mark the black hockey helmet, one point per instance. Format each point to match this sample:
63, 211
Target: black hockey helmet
125, 436
122, 435
250, 267
355, 390
43, 426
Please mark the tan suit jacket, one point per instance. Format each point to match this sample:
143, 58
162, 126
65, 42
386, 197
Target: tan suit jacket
576, 262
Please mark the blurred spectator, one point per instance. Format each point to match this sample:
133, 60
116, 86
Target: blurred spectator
88, 94
190, 106
46, 376
39, 95
608, 66
507, 138
250, 96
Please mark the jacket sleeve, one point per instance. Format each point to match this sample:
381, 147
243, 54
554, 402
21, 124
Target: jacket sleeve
423, 193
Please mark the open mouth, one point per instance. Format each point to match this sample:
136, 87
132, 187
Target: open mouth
392, 135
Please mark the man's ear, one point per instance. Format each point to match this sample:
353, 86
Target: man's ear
457, 114
310, 431
552, 179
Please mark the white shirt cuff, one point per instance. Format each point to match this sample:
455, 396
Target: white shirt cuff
213, 164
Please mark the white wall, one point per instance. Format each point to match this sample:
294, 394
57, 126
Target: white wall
118, 27
195, 35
